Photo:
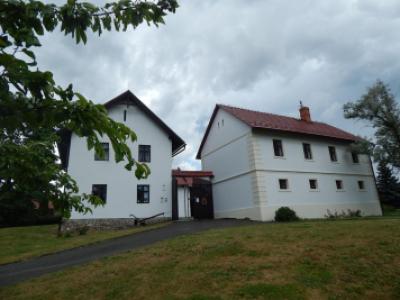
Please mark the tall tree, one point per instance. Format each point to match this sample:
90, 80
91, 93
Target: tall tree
379, 107
388, 185
34, 109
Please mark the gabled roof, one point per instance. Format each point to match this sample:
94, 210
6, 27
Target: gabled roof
262, 120
125, 98
129, 98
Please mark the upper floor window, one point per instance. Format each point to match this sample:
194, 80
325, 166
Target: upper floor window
361, 185
278, 149
332, 153
124, 115
100, 190
339, 185
283, 184
313, 184
307, 151
354, 156
144, 153
106, 155
143, 193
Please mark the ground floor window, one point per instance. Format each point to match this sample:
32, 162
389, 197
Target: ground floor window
339, 185
361, 185
283, 184
143, 193
313, 184
100, 190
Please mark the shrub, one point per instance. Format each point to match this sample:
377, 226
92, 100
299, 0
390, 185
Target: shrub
285, 214
343, 215
83, 230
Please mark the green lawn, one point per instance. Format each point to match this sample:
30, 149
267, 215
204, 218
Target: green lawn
345, 259
20, 243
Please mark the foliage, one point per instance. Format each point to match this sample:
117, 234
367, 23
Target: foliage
343, 214
34, 109
388, 185
285, 214
379, 107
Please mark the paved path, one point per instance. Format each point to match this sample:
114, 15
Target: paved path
17, 272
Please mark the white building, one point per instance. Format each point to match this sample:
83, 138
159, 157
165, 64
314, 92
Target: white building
263, 161
157, 144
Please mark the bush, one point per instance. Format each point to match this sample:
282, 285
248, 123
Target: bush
343, 215
83, 230
285, 214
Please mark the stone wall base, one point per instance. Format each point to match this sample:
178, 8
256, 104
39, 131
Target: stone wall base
106, 224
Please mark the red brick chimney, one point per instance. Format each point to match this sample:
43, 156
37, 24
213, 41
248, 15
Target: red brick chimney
305, 113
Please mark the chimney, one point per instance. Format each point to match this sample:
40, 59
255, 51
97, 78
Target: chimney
304, 113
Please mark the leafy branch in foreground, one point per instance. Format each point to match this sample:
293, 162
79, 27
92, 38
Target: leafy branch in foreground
34, 109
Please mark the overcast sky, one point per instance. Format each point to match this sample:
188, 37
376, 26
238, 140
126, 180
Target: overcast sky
263, 55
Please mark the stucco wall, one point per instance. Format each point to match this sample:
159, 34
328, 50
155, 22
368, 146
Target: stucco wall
122, 184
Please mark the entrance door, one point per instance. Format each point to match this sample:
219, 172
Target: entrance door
201, 204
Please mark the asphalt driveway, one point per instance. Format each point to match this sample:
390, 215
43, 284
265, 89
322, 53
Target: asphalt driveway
17, 272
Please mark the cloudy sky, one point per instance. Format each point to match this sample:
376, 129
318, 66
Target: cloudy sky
258, 54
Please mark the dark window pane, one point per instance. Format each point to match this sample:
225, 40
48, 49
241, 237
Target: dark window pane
307, 151
355, 158
283, 184
106, 149
144, 153
143, 193
332, 153
313, 184
125, 115
278, 149
361, 185
339, 184
100, 190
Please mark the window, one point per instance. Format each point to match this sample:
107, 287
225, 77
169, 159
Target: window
313, 184
332, 153
143, 193
354, 156
361, 185
283, 184
278, 149
144, 153
100, 190
339, 185
307, 151
106, 149
124, 115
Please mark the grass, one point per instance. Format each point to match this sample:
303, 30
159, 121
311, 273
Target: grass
21, 243
390, 211
344, 259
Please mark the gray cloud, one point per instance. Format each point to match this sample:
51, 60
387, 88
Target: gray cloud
264, 55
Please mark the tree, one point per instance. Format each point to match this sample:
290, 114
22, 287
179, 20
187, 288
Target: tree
379, 107
388, 185
34, 109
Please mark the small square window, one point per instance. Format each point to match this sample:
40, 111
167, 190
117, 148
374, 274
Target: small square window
144, 153
332, 153
307, 151
143, 193
100, 190
278, 148
106, 156
354, 156
361, 185
283, 184
313, 184
339, 184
